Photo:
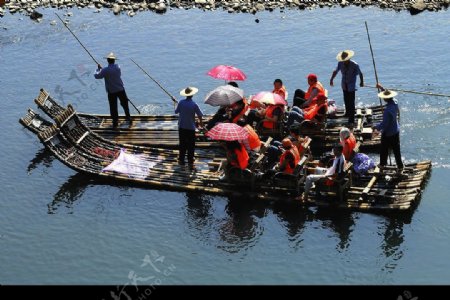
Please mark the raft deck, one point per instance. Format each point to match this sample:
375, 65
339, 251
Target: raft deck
74, 144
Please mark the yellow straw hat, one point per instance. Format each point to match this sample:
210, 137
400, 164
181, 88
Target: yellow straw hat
111, 56
387, 94
189, 91
345, 55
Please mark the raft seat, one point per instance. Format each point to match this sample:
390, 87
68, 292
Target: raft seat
340, 185
291, 181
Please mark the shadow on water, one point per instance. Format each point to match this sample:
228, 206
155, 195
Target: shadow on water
69, 192
393, 238
240, 229
43, 157
340, 222
294, 219
237, 227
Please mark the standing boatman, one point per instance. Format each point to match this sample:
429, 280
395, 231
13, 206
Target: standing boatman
349, 70
389, 128
187, 108
114, 88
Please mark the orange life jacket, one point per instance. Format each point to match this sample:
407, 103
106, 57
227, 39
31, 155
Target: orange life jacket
241, 114
316, 85
281, 91
311, 111
349, 144
294, 152
269, 114
242, 158
253, 139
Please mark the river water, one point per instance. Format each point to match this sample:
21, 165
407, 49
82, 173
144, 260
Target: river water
57, 227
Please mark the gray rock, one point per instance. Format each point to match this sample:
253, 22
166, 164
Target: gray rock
161, 8
418, 7
230, 10
260, 7
116, 9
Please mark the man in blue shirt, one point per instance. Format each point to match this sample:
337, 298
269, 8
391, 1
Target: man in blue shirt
389, 128
349, 70
114, 88
187, 109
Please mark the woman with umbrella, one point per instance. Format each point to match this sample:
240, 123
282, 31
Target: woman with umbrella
231, 134
230, 100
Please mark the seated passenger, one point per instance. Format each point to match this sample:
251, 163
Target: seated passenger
336, 170
298, 140
268, 114
317, 108
348, 142
237, 156
220, 116
252, 143
290, 157
304, 99
280, 89
237, 110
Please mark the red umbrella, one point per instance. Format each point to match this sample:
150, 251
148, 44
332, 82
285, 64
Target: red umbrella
228, 73
228, 132
269, 98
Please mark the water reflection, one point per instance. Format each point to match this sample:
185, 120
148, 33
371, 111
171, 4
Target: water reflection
240, 229
235, 225
43, 157
393, 238
294, 218
199, 215
340, 222
72, 190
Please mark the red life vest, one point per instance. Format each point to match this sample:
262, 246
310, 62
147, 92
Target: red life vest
253, 138
242, 158
311, 111
316, 85
349, 144
269, 114
294, 152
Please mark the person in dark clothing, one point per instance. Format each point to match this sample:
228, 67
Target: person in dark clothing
389, 128
349, 70
187, 109
114, 88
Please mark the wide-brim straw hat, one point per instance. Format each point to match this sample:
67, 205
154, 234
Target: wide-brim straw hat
387, 94
111, 55
345, 55
189, 91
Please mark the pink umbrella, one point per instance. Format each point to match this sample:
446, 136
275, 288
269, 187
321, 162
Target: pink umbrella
228, 73
269, 98
228, 132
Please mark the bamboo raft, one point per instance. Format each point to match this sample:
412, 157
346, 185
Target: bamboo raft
162, 130
74, 144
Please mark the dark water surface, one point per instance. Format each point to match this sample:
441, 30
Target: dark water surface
57, 227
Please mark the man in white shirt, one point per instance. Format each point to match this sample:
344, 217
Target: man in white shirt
319, 173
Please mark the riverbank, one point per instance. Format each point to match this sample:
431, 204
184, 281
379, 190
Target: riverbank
131, 7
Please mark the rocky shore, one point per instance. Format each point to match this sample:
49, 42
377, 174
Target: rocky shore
131, 7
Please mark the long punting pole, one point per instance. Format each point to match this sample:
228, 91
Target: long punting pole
93, 58
373, 58
154, 80
412, 92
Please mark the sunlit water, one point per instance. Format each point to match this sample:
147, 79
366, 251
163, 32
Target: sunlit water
58, 227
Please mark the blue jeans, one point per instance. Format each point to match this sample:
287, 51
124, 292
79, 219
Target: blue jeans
295, 115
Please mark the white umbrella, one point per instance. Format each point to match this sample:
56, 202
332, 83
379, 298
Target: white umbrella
224, 95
